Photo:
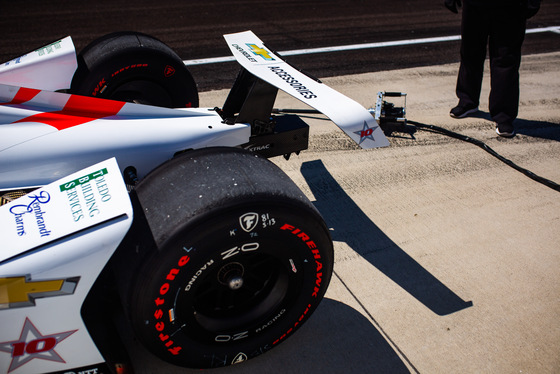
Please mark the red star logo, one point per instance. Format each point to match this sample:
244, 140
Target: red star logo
32, 344
366, 132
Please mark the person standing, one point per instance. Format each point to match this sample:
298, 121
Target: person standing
498, 25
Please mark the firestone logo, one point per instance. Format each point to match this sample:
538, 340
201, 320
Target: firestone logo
249, 221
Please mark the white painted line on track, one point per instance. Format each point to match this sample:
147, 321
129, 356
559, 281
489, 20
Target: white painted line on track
395, 43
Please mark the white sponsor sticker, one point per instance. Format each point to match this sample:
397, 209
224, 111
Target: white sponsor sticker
79, 201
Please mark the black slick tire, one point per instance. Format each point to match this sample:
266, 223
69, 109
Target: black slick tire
242, 259
134, 67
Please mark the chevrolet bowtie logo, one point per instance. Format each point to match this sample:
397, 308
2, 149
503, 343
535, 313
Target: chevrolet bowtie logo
260, 52
17, 292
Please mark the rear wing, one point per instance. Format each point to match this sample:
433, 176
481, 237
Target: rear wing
356, 121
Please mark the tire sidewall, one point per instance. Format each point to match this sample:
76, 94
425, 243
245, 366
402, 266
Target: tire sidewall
284, 232
139, 64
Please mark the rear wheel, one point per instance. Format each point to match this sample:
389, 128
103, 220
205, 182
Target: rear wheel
134, 67
242, 259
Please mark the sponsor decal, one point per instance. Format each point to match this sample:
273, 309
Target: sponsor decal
83, 180
215, 361
366, 132
48, 49
269, 323
258, 148
15, 61
133, 66
314, 250
293, 266
159, 311
86, 198
247, 247
31, 345
100, 87
34, 208
168, 71
318, 274
88, 205
197, 275
249, 221
241, 357
227, 338
246, 54
97, 369
260, 51
17, 292
288, 78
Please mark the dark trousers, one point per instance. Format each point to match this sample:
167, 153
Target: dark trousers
502, 30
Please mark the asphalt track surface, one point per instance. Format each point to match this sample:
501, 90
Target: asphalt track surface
446, 258
194, 30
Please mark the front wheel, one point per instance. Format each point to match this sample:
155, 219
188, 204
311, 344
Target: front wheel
134, 67
242, 259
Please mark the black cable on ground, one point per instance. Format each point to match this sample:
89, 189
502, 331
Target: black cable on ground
440, 130
555, 186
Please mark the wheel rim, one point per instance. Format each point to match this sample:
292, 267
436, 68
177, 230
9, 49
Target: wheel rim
237, 294
141, 91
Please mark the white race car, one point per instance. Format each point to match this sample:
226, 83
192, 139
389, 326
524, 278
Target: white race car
123, 204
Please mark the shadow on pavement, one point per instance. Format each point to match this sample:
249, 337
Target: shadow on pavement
535, 129
353, 226
538, 129
336, 339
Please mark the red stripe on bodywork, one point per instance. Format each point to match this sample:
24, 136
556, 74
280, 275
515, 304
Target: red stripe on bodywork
78, 110
23, 95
